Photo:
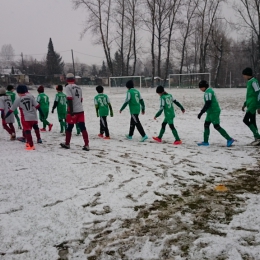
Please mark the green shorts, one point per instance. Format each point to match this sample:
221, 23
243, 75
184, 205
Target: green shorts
168, 120
213, 118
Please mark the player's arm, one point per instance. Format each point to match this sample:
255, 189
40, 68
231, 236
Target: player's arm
178, 104
128, 96
110, 107
207, 104
96, 106
55, 104
142, 104
160, 110
13, 107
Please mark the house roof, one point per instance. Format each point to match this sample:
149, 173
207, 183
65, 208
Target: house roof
9, 71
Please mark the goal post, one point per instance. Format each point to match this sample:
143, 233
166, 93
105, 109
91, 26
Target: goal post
118, 83
188, 80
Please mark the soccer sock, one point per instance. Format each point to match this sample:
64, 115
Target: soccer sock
61, 126
12, 128
255, 131
85, 137
161, 133
175, 134
77, 129
68, 137
206, 135
7, 128
224, 133
29, 138
37, 133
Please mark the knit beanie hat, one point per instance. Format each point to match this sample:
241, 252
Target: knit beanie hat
247, 71
40, 89
59, 87
129, 84
21, 89
160, 89
2, 91
203, 84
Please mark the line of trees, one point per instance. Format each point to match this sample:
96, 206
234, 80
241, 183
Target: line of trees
175, 36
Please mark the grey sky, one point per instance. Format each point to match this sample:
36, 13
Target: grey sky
28, 24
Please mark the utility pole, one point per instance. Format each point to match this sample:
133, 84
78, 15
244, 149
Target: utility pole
22, 61
73, 63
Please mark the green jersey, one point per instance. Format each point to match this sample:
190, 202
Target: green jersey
12, 96
101, 102
252, 95
43, 100
209, 94
135, 102
61, 100
166, 105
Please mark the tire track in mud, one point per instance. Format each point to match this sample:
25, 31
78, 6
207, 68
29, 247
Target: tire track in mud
172, 223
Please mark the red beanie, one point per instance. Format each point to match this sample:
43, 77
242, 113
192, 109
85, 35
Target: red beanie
40, 89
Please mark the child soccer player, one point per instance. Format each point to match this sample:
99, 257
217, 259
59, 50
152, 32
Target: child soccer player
43, 100
213, 110
10, 92
77, 125
167, 106
61, 104
252, 103
27, 104
5, 105
102, 103
135, 102
75, 112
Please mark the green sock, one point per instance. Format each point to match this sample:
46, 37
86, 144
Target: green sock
61, 127
224, 133
161, 133
206, 135
254, 131
175, 134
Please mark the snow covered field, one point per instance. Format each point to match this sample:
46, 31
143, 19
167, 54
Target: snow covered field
130, 200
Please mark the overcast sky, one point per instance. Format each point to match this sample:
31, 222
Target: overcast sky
28, 24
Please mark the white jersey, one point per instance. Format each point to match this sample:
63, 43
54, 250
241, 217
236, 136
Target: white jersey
5, 105
27, 105
74, 93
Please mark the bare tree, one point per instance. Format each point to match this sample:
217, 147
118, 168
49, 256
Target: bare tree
207, 14
99, 23
7, 55
249, 12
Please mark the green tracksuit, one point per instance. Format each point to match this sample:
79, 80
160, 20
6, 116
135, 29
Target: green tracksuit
166, 105
43, 100
213, 115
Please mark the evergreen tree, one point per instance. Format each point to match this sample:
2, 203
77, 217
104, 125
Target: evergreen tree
12, 70
103, 71
94, 71
54, 63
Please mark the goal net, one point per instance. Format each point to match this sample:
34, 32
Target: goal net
117, 84
190, 80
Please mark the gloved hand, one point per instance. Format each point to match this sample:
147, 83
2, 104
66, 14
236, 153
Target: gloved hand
111, 114
258, 111
52, 111
183, 111
243, 108
199, 115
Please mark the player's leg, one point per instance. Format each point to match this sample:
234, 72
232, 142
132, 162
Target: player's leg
81, 122
13, 135
138, 125
18, 119
103, 120
162, 131
37, 132
77, 129
174, 132
7, 128
43, 129
249, 121
206, 132
101, 127
132, 127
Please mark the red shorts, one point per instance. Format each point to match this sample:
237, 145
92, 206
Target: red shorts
27, 125
77, 118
